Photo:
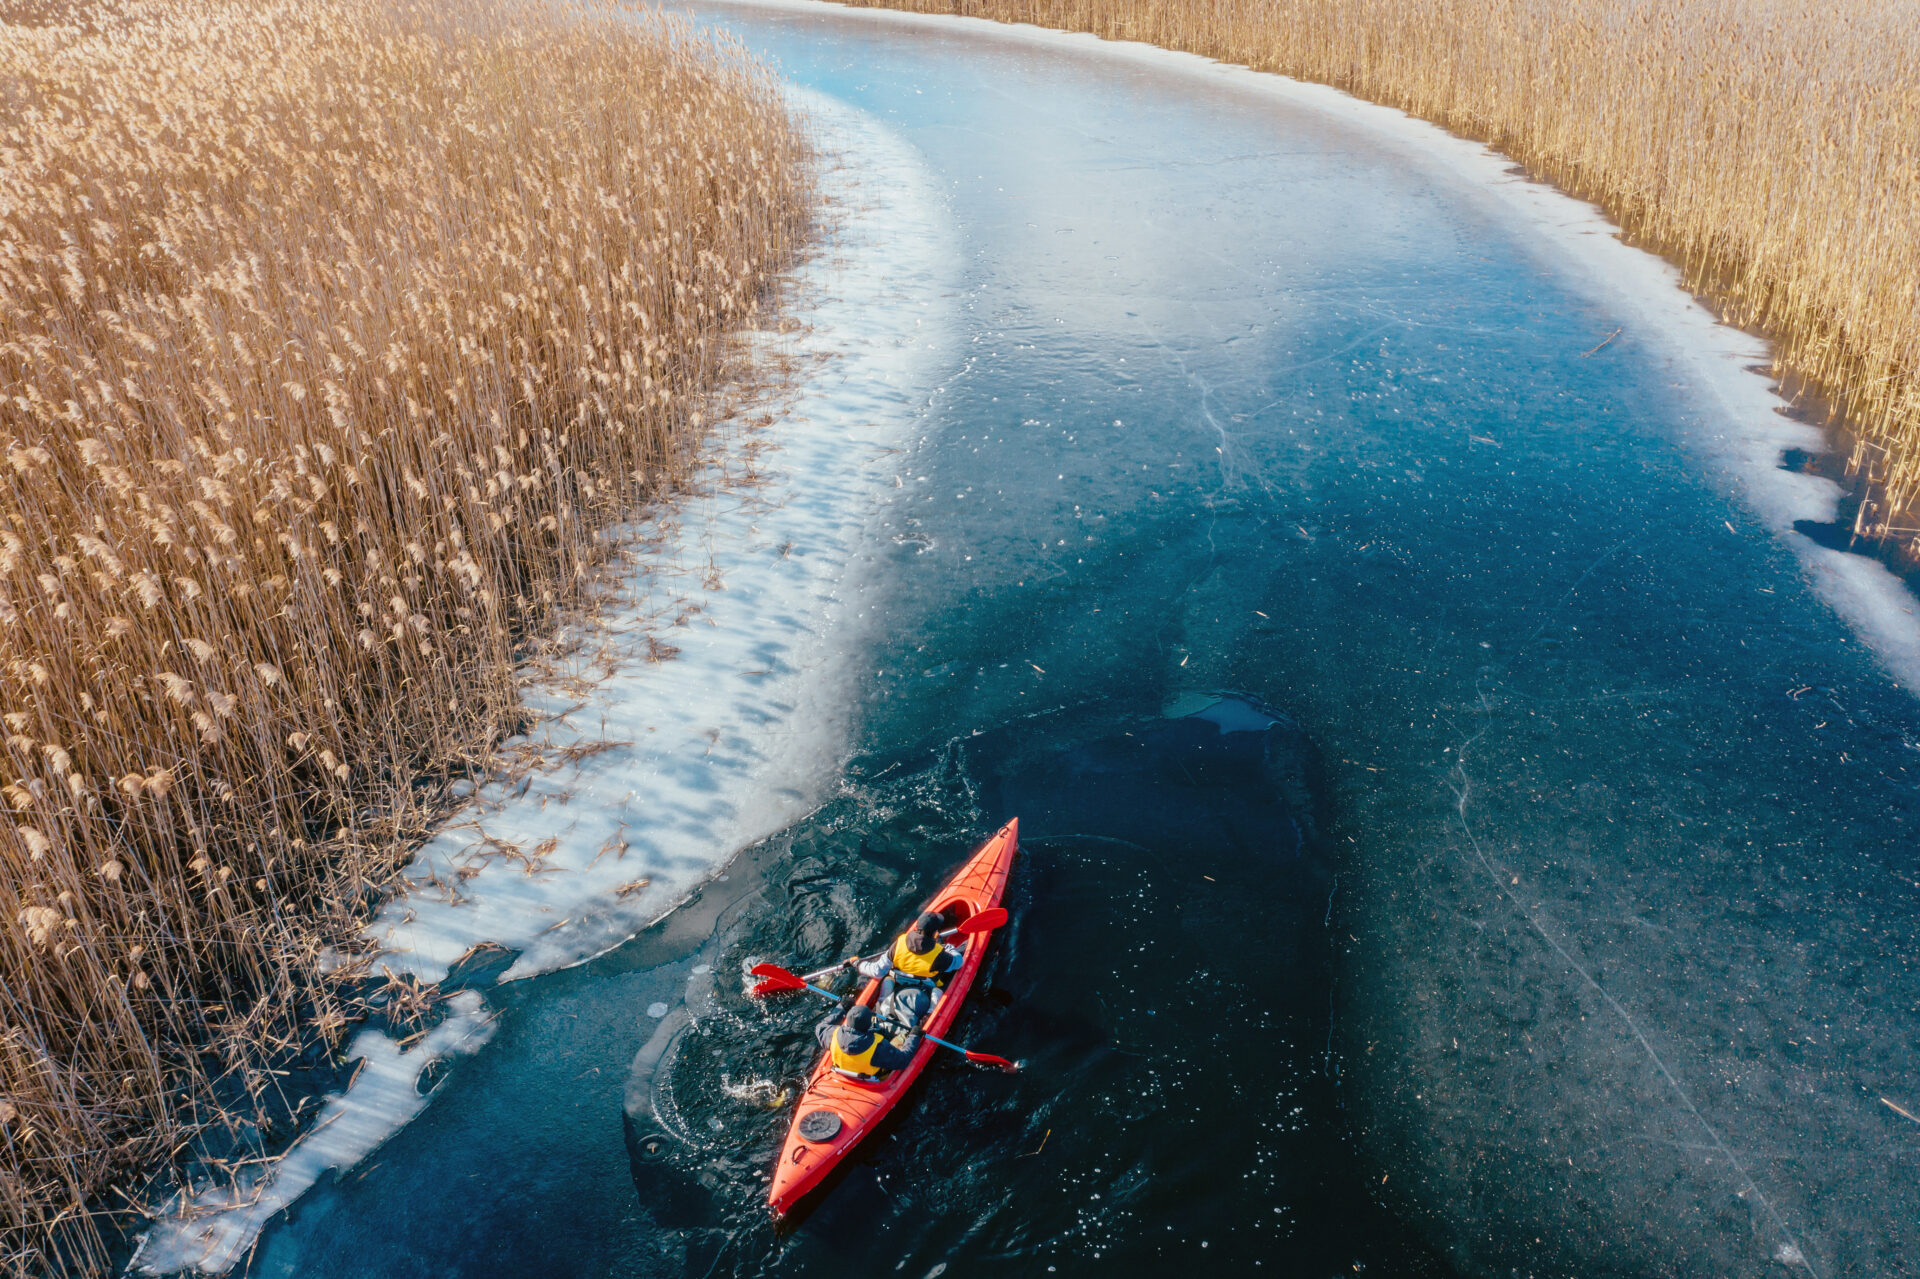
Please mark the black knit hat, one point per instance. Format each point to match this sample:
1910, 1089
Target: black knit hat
860, 1018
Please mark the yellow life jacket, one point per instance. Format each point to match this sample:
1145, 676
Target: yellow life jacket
913, 964
851, 1063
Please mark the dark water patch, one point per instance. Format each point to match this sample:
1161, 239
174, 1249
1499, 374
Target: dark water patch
1866, 521
1842, 532
1835, 535
1803, 462
479, 968
1313, 428
1164, 980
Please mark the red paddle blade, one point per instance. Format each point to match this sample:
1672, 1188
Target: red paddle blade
988, 1059
776, 980
985, 922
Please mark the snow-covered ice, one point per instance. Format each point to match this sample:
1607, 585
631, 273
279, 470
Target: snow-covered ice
223, 1221
655, 772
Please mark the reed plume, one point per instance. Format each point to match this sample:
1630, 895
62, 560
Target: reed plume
333, 336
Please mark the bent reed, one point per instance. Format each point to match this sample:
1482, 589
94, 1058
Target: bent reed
333, 336
1769, 147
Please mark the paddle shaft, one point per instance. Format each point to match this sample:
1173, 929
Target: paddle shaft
885, 1020
958, 930
827, 994
932, 1039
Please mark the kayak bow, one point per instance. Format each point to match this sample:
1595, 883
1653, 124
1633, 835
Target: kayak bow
835, 1112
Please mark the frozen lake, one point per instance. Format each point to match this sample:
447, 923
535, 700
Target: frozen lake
1548, 902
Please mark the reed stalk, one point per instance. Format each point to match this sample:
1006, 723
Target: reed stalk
333, 336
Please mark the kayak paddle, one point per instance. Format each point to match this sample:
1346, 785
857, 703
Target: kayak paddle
984, 922
775, 979
984, 1059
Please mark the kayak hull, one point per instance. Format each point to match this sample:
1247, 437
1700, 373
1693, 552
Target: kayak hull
859, 1106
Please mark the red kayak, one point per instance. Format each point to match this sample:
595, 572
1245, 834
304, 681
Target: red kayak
835, 1112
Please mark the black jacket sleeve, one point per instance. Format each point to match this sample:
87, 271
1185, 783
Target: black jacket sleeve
887, 1057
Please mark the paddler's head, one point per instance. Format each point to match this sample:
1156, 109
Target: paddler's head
860, 1019
924, 933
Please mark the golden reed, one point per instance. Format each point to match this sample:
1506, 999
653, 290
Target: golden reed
332, 335
1771, 147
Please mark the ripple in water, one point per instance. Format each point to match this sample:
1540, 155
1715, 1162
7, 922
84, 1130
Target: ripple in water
1165, 979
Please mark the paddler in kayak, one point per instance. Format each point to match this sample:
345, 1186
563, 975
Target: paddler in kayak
858, 1050
915, 971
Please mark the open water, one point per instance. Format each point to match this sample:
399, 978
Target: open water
1459, 836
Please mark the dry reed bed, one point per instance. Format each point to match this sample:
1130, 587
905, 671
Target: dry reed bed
1772, 147
332, 335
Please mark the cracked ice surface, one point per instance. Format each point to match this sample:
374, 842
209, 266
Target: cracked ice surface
1631, 979
675, 765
